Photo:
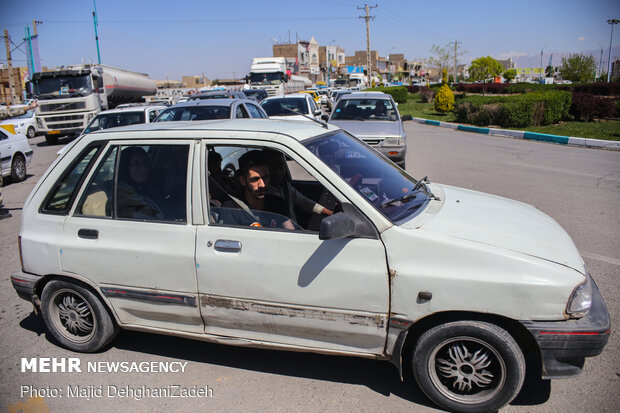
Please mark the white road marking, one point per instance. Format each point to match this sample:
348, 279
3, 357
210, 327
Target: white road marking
597, 257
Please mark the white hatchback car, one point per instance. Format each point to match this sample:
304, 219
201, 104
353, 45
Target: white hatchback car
25, 124
15, 155
137, 228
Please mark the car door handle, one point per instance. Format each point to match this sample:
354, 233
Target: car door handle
88, 233
227, 246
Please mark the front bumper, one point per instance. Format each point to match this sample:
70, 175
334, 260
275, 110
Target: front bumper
396, 154
564, 345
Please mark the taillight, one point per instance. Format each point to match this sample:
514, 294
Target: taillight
21, 258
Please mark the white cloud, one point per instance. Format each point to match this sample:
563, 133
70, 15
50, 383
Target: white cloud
512, 53
581, 39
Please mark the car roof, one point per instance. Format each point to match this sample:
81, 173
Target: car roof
290, 95
212, 102
132, 109
367, 95
299, 130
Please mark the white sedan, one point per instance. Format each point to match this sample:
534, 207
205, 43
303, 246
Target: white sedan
296, 106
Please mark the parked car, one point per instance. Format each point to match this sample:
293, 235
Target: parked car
218, 94
256, 94
15, 155
461, 283
292, 107
25, 124
373, 117
123, 115
209, 109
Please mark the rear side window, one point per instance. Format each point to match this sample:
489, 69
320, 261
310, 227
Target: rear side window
64, 191
139, 182
254, 111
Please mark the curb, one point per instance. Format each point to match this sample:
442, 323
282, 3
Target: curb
543, 137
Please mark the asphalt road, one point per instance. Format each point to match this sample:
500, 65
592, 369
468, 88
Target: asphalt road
578, 187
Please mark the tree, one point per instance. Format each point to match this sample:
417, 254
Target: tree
441, 58
510, 75
485, 69
549, 71
578, 68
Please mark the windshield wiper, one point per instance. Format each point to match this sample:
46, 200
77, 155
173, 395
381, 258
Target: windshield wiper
298, 112
421, 184
402, 199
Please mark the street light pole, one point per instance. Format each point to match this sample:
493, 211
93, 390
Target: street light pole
611, 22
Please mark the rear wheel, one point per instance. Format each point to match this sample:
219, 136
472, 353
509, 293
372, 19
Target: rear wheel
18, 168
469, 366
76, 317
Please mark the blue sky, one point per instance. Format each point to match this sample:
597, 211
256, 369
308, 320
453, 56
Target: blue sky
169, 39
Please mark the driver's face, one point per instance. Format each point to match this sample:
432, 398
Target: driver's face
256, 180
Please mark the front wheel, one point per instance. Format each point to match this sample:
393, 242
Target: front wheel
76, 317
469, 366
18, 168
30, 132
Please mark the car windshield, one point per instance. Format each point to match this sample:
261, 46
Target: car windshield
114, 120
194, 113
274, 78
385, 186
26, 115
365, 109
285, 106
61, 86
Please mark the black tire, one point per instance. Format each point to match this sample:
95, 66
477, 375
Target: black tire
469, 366
30, 132
18, 168
76, 317
51, 140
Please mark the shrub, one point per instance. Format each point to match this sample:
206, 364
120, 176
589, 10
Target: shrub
586, 106
399, 93
536, 108
427, 94
413, 89
444, 100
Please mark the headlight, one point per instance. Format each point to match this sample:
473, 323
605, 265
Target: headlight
39, 123
391, 141
581, 300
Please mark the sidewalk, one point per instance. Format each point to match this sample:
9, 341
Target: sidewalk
564, 140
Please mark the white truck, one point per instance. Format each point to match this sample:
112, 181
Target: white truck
70, 97
270, 74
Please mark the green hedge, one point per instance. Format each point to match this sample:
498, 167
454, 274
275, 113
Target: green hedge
399, 93
531, 109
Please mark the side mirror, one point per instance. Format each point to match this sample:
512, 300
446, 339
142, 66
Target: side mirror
406, 117
325, 117
336, 226
318, 112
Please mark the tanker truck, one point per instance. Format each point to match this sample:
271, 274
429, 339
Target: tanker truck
70, 97
270, 74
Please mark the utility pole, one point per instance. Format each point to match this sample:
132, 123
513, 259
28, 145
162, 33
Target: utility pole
96, 35
368, 18
611, 22
9, 63
455, 54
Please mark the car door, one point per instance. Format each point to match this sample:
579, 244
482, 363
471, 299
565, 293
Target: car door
136, 244
288, 287
6, 152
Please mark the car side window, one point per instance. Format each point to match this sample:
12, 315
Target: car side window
240, 112
65, 189
254, 111
139, 182
258, 187
153, 114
